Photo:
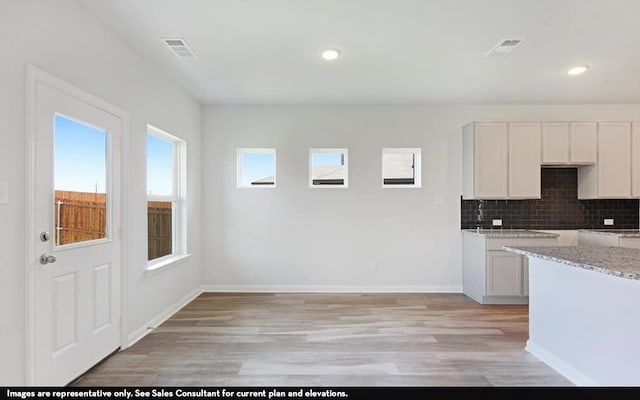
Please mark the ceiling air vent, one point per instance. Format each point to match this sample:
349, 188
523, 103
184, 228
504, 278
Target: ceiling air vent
504, 47
179, 47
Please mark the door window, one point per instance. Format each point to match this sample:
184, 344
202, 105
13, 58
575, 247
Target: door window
80, 182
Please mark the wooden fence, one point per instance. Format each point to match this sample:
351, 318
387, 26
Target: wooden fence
81, 216
159, 228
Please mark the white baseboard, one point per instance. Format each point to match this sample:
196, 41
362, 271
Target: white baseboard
332, 288
167, 313
566, 370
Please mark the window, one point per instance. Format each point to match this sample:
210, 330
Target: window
328, 168
256, 168
81, 182
166, 173
401, 168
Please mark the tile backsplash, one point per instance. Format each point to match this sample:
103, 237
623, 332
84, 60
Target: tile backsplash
559, 208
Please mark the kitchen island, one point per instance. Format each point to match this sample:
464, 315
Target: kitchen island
584, 312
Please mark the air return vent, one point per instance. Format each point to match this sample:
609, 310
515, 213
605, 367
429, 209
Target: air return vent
504, 47
179, 47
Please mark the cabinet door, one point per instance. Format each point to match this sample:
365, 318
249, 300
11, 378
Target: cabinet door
614, 159
584, 142
504, 274
555, 143
524, 160
635, 159
490, 160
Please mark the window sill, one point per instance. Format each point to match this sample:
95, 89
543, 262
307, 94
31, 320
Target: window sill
158, 266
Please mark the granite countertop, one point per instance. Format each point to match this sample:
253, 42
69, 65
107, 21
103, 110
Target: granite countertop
626, 233
511, 233
618, 261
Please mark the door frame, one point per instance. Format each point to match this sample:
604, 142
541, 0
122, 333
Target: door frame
35, 76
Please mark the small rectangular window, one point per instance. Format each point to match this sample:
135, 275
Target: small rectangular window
81, 182
256, 168
328, 168
166, 166
401, 167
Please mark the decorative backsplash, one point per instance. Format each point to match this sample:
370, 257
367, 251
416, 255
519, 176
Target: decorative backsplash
559, 208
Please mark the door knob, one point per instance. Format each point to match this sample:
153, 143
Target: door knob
47, 259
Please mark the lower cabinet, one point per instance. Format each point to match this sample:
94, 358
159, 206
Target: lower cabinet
504, 274
491, 275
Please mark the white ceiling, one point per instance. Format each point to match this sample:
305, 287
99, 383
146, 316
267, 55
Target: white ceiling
394, 51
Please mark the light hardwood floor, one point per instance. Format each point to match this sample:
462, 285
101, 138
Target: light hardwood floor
332, 340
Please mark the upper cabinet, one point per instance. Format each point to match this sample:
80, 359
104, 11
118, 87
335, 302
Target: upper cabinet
611, 176
635, 159
555, 143
485, 161
584, 142
502, 160
572, 143
525, 141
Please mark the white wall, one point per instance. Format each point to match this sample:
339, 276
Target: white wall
297, 238
61, 38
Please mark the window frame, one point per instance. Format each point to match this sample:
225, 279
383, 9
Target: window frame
344, 151
239, 166
417, 166
177, 199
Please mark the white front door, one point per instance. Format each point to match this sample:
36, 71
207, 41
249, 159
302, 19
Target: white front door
75, 301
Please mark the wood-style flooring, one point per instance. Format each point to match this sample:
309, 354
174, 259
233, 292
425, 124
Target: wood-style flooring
231, 339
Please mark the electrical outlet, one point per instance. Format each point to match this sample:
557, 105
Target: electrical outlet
4, 193
608, 221
372, 266
497, 222
438, 199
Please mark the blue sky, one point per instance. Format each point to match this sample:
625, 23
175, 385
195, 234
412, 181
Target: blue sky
159, 167
79, 157
256, 166
326, 159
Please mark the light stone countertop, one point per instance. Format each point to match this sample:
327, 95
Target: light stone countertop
511, 233
618, 261
625, 233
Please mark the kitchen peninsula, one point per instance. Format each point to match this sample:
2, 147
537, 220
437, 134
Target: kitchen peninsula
583, 312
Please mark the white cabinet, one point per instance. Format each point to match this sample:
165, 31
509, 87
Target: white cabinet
491, 275
502, 161
572, 143
583, 143
525, 141
485, 161
504, 274
611, 176
614, 159
635, 159
555, 143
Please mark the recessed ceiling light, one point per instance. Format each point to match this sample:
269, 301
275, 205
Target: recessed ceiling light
331, 54
578, 70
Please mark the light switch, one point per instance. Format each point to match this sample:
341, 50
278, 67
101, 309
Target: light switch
4, 193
